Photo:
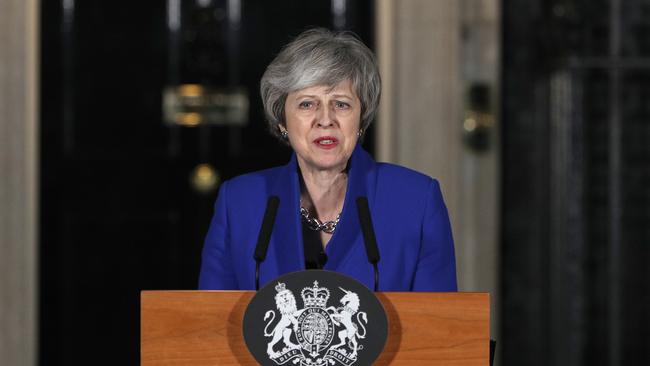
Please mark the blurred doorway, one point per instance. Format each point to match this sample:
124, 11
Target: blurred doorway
126, 194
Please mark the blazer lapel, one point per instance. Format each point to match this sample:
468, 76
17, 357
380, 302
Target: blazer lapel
286, 239
348, 232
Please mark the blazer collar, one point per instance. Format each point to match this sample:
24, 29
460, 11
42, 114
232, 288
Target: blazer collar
287, 241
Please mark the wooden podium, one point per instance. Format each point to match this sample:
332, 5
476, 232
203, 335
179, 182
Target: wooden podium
205, 328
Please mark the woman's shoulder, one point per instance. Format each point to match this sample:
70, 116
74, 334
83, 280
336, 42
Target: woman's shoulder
406, 191
393, 174
253, 181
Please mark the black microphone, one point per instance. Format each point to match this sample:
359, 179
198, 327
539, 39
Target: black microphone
264, 236
372, 251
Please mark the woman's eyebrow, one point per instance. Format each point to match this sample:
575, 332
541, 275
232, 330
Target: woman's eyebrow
342, 96
305, 96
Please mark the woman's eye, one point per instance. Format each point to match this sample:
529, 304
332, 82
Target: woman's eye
305, 105
342, 105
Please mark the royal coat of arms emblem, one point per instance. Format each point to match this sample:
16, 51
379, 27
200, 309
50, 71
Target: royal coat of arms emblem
315, 318
317, 334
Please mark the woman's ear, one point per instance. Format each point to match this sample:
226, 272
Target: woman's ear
283, 132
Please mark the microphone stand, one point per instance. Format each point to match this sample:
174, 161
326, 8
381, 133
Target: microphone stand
264, 236
372, 250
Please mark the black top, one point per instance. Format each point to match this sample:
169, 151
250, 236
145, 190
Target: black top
315, 257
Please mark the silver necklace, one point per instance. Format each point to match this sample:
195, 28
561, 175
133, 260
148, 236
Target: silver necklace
317, 225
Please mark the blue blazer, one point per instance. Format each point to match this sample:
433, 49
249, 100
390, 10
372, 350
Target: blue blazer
408, 213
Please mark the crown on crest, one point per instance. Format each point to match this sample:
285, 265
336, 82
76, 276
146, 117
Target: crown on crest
315, 296
280, 287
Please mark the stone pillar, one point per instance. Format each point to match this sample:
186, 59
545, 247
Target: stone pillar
479, 211
18, 183
430, 52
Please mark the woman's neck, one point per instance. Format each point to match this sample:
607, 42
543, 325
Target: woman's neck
323, 192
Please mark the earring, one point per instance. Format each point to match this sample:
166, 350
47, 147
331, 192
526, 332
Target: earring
285, 134
360, 132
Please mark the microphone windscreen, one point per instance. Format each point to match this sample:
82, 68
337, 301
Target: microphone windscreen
266, 229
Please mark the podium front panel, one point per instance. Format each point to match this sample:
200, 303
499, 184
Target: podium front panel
205, 328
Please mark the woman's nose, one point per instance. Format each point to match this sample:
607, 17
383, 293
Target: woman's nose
325, 117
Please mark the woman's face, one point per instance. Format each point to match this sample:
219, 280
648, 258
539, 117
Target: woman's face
323, 123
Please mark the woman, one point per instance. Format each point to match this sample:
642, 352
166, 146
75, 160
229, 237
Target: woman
320, 94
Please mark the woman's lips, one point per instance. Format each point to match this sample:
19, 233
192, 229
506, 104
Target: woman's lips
326, 142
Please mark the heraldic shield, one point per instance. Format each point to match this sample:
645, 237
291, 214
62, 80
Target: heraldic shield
315, 318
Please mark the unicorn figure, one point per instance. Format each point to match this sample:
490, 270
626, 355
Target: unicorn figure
344, 315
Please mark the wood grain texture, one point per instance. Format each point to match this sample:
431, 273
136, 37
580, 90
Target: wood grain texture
436, 328
204, 328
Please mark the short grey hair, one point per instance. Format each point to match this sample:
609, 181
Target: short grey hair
320, 57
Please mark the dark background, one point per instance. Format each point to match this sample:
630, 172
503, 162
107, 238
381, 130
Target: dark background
575, 259
118, 214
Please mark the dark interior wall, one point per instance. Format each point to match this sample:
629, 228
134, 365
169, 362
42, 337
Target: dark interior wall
118, 214
576, 182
